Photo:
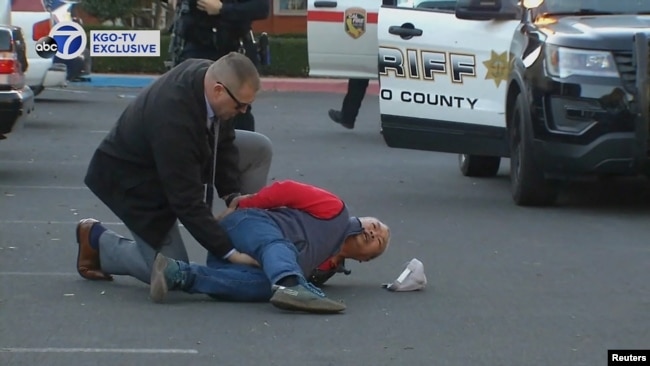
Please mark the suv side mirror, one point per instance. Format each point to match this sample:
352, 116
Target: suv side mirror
488, 10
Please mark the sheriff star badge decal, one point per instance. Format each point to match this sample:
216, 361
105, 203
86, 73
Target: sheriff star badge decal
497, 67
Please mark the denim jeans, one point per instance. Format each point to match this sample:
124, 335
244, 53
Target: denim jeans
253, 232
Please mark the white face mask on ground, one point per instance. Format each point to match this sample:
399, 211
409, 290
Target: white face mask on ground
412, 278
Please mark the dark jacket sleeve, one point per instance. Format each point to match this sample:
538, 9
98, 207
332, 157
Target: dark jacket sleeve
245, 11
227, 174
177, 155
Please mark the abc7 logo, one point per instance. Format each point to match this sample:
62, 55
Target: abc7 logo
66, 41
46, 47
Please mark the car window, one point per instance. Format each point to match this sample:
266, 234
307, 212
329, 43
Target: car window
449, 5
5, 40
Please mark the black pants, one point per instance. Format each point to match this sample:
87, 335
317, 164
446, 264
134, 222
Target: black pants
242, 121
353, 98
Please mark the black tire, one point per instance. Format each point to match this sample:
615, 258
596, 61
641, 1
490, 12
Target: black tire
528, 184
478, 166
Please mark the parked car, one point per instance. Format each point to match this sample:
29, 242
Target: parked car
16, 98
36, 22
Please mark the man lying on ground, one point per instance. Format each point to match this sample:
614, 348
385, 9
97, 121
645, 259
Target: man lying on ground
290, 229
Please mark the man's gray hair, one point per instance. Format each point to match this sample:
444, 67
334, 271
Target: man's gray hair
234, 70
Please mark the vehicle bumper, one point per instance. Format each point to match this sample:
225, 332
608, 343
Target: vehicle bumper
43, 73
615, 153
599, 131
35, 74
56, 76
14, 104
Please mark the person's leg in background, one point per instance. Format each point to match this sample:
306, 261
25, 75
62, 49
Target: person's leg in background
351, 103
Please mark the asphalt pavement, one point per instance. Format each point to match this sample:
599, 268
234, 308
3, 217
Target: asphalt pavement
506, 285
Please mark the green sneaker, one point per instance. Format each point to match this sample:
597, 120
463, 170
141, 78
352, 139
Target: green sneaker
305, 297
165, 275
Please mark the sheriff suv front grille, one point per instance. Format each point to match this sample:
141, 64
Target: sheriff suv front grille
626, 67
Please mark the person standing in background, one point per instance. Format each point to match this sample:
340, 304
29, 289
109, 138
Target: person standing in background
212, 29
351, 103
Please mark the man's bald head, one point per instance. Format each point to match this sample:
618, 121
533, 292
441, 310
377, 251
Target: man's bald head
234, 70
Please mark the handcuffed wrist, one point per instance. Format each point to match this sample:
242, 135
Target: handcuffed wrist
228, 199
230, 253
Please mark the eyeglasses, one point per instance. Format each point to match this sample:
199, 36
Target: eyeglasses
239, 105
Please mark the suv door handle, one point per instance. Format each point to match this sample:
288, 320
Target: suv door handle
325, 4
405, 31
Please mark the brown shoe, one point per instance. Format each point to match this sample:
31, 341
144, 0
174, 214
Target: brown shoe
88, 258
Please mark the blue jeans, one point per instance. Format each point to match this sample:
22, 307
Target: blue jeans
252, 232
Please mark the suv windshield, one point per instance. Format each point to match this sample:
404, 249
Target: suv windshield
595, 7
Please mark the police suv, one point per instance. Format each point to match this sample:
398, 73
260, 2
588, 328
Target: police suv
558, 86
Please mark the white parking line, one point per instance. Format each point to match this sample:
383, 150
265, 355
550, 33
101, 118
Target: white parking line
54, 222
44, 187
32, 162
76, 91
39, 274
98, 350
51, 222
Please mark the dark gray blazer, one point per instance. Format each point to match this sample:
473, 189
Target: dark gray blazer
151, 167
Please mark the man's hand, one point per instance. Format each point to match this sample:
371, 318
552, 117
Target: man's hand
232, 207
242, 258
235, 201
327, 269
212, 7
225, 213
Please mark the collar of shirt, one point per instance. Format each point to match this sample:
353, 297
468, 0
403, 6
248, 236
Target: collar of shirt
354, 226
210, 111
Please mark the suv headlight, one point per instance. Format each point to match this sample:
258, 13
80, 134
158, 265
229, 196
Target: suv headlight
563, 62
